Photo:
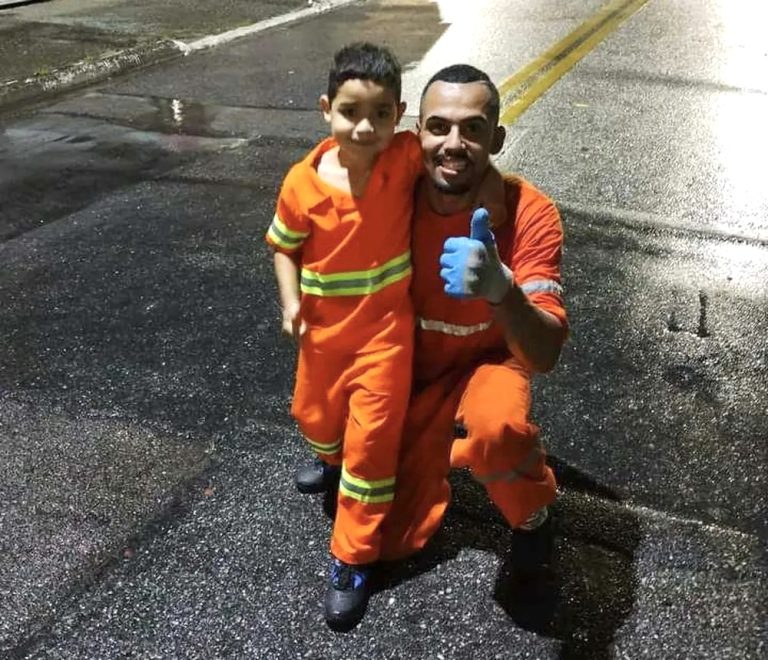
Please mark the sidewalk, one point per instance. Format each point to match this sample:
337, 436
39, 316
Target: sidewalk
51, 47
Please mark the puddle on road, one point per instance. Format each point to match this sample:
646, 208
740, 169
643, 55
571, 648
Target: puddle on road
69, 154
574, 580
177, 117
174, 116
56, 163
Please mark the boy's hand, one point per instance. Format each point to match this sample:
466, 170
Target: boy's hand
293, 325
471, 266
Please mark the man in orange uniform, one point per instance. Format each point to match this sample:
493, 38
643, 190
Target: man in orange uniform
488, 317
341, 236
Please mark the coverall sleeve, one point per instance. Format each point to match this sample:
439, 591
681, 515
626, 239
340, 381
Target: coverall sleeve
413, 162
290, 226
537, 252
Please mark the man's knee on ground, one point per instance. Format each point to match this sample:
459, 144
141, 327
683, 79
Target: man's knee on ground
493, 441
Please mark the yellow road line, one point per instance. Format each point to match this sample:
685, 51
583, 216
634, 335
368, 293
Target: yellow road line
519, 91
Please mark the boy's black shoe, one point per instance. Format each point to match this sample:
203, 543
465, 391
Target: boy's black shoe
347, 595
317, 477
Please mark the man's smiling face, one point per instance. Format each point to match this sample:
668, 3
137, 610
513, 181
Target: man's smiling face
457, 135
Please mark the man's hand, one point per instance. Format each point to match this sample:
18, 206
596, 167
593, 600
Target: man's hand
293, 325
471, 267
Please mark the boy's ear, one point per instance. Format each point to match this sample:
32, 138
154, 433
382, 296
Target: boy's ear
325, 106
401, 110
497, 142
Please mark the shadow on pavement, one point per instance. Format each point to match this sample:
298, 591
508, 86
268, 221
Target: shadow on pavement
571, 580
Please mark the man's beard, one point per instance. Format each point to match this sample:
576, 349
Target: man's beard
447, 188
450, 189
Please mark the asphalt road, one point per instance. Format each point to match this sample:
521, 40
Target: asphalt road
146, 486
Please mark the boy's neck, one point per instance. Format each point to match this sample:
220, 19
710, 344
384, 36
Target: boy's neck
355, 163
347, 174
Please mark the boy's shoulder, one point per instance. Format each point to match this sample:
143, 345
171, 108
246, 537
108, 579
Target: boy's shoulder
301, 179
307, 163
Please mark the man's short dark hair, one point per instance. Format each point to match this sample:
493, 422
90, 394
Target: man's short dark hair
466, 73
365, 61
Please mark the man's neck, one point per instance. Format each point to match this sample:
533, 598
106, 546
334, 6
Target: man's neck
444, 204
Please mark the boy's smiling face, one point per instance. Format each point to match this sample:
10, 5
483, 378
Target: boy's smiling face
363, 116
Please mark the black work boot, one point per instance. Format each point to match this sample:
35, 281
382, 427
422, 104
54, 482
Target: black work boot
347, 595
317, 477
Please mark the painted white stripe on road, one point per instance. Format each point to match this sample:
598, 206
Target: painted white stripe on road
230, 35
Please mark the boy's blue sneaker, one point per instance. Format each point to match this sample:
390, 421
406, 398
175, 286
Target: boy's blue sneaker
317, 477
347, 595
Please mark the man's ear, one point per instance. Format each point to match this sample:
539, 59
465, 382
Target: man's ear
325, 107
497, 142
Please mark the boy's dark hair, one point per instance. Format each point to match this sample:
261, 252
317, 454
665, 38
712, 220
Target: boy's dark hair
364, 61
466, 73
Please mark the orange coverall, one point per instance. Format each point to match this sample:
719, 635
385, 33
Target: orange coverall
465, 373
353, 377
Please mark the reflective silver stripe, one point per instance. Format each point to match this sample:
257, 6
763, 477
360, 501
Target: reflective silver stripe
513, 475
542, 286
452, 329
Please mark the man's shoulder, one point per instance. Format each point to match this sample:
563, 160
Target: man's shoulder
524, 189
526, 202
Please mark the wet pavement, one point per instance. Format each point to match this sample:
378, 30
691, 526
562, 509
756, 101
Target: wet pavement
48, 48
144, 389
181, 19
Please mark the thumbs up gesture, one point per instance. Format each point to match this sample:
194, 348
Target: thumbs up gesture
471, 267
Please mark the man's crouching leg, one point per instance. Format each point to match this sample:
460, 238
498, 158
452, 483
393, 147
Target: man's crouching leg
502, 447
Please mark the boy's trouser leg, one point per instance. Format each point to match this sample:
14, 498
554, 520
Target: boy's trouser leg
378, 386
502, 447
320, 402
423, 491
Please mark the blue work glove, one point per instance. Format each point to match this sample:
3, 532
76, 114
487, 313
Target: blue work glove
471, 267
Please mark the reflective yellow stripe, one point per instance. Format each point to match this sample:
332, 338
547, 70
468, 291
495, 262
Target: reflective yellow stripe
284, 237
357, 282
369, 492
329, 448
377, 483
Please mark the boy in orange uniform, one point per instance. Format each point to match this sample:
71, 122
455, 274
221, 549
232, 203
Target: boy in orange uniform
341, 239
488, 316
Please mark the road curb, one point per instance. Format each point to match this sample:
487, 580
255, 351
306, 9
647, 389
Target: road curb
14, 93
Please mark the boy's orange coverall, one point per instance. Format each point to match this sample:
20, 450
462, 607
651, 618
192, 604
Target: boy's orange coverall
354, 370
465, 373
